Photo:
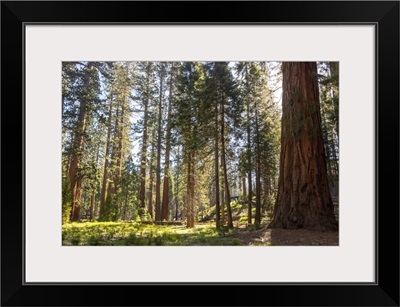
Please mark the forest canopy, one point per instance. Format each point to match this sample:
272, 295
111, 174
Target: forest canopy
232, 144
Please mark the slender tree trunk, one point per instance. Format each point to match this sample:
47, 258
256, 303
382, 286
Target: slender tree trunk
177, 184
74, 175
165, 201
92, 202
248, 154
158, 168
334, 70
257, 219
151, 186
249, 183
216, 154
125, 207
328, 144
244, 186
111, 167
304, 199
92, 197
142, 194
222, 208
70, 154
120, 146
334, 160
190, 192
266, 194
223, 155
104, 187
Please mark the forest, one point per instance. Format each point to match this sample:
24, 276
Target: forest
200, 153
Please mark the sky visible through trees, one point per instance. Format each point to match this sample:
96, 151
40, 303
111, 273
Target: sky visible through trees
200, 143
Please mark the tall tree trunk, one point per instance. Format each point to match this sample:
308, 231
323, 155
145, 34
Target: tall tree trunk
250, 190
248, 153
123, 214
265, 182
334, 70
104, 187
222, 208
143, 161
74, 170
216, 166
304, 199
92, 198
244, 186
333, 144
257, 219
120, 146
190, 192
165, 200
158, 168
111, 166
177, 184
328, 144
92, 201
151, 185
113, 189
223, 155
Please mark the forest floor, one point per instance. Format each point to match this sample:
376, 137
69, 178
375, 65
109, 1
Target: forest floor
204, 234
287, 237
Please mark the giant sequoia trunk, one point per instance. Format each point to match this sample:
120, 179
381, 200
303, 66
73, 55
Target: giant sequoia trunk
304, 199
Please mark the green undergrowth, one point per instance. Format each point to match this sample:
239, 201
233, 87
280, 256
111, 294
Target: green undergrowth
135, 233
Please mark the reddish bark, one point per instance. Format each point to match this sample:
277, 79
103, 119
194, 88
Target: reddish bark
76, 156
304, 199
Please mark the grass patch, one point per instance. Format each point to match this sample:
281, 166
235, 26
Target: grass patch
138, 234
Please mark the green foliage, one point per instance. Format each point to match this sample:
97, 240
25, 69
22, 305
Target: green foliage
136, 233
117, 97
109, 209
66, 200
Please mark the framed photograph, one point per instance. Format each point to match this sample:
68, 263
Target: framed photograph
192, 150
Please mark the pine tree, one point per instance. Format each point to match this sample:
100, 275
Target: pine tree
167, 174
145, 88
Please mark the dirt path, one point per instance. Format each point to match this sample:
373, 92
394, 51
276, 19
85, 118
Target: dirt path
288, 237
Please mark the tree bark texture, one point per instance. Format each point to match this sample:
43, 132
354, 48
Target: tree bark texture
190, 192
76, 157
165, 200
158, 168
304, 199
248, 154
223, 159
257, 219
106, 161
216, 167
143, 162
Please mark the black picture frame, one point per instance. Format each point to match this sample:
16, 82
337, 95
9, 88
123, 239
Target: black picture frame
383, 14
